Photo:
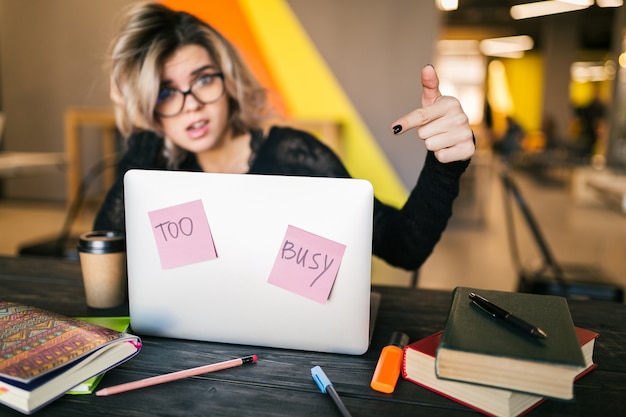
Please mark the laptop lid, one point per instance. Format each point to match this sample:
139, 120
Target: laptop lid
279, 261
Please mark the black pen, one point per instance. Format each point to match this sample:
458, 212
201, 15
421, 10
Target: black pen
500, 313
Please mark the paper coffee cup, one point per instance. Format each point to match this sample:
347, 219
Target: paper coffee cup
103, 263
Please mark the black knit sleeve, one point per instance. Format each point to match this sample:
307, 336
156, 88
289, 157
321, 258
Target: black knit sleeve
406, 237
144, 149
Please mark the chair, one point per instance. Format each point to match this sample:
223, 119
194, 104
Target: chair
574, 281
19, 164
64, 245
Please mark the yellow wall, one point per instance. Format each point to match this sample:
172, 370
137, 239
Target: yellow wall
525, 76
582, 93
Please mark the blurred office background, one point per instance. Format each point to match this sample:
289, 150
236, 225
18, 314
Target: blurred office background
545, 96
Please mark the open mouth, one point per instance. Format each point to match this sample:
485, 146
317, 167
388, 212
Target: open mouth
198, 125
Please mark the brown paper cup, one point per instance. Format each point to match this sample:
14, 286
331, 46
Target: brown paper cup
103, 263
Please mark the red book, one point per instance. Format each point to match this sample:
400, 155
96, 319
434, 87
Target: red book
418, 366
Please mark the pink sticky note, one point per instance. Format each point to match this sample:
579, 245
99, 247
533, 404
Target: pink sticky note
307, 264
182, 234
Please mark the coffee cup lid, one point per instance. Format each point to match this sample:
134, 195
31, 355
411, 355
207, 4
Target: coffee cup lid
101, 241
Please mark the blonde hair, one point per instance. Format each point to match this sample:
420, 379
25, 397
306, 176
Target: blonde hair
150, 34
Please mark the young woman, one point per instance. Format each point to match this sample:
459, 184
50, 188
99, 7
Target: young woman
186, 101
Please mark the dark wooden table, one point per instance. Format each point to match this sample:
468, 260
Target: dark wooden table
280, 383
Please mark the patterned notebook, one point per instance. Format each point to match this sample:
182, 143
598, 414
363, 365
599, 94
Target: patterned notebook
41, 349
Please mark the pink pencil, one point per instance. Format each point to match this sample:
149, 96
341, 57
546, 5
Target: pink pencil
159, 379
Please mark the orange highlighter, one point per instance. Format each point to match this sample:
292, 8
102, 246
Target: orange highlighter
389, 364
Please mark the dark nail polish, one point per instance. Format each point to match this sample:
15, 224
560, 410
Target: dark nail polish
397, 129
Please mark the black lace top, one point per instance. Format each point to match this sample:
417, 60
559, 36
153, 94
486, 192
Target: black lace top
403, 238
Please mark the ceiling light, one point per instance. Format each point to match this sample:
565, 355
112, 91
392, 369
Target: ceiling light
507, 47
578, 2
609, 3
458, 47
592, 71
447, 5
543, 8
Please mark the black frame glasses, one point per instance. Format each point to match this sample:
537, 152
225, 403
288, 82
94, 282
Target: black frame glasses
197, 84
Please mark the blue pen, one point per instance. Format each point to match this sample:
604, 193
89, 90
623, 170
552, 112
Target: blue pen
326, 386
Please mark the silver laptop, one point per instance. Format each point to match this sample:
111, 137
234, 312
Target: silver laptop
279, 261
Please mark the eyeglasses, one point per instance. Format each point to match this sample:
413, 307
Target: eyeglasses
208, 88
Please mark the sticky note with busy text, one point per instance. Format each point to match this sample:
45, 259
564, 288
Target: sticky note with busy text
307, 264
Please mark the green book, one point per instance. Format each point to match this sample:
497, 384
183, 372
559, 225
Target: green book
120, 324
476, 347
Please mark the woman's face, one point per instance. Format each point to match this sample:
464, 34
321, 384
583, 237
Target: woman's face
198, 127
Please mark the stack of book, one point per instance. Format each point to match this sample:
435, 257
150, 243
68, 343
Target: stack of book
493, 367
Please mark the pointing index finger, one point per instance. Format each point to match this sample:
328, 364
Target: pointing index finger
413, 119
430, 94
